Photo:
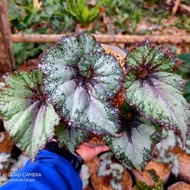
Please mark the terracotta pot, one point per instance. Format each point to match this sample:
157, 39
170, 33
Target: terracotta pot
179, 186
162, 170
184, 164
103, 183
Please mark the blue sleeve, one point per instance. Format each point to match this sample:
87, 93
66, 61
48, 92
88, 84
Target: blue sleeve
50, 171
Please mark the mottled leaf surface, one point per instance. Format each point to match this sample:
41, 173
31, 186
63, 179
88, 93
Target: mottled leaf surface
144, 55
28, 118
135, 146
80, 80
154, 90
69, 137
1, 85
104, 168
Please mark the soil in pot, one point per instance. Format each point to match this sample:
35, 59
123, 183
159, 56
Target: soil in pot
179, 186
94, 139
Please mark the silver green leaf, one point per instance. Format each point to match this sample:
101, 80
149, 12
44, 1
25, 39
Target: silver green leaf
104, 168
145, 55
135, 146
69, 137
28, 118
81, 80
154, 90
187, 145
1, 85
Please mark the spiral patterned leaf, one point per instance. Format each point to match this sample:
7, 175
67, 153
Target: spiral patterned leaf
81, 80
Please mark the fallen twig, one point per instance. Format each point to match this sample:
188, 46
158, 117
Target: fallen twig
103, 38
176, 6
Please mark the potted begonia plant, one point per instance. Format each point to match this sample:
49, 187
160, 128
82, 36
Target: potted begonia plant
80, 89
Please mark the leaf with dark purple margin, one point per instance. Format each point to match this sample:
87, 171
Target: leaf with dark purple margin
27, 117
69, 137
154, 90
150, 57
135, 146
81, 80
187, 143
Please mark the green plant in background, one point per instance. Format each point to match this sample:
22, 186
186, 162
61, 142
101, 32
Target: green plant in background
128, 21
112, 7
21, 14
127, 14
25, 18
50, 18
135, 20
81, 11
57, 16
31, 50
75, 79
184, 70
151, 2
183, 22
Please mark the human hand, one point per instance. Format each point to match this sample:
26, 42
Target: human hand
88, 151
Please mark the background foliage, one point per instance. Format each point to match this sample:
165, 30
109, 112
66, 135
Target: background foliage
114, 17
54, 17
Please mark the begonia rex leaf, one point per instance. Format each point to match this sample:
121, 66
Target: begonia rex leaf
27, 117
154, 90
68, 137
81, 80
135, 146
